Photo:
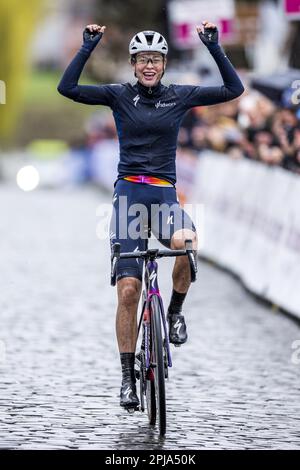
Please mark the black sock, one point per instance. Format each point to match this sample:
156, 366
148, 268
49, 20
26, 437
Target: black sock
127, 363
176, 302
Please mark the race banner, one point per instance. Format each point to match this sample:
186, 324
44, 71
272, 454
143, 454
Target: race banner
291, 9
185, 15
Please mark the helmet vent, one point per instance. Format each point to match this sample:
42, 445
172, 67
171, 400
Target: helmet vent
149, 38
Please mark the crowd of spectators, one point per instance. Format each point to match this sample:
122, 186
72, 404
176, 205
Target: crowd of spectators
249, 127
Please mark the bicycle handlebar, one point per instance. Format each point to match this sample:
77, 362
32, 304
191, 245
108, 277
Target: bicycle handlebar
153, 253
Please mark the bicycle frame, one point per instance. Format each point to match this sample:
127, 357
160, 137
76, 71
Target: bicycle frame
151, 289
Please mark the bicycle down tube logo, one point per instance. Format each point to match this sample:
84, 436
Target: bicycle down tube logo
152, 278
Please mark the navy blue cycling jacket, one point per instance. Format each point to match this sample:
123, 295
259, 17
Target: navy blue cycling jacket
148, 123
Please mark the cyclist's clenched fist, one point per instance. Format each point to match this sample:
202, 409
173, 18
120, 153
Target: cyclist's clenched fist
208, 34
91, 36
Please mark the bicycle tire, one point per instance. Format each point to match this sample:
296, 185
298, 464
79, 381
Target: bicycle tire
149, 388
151, 401
158, 359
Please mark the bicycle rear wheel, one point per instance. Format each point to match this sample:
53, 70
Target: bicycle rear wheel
157, 358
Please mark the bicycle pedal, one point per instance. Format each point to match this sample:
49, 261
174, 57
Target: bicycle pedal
177, 345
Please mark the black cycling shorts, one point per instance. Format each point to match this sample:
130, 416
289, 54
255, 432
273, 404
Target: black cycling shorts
138, 207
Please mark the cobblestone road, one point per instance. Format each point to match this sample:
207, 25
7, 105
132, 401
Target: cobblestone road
233, 385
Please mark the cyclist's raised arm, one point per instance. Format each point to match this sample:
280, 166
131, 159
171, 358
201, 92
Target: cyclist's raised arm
232, 86
88, 94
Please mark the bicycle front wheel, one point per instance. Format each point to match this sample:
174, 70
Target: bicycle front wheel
158, 362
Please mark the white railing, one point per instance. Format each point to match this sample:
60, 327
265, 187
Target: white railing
252, 224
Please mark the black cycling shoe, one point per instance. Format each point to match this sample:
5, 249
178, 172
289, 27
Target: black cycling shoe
128, 396
177, 329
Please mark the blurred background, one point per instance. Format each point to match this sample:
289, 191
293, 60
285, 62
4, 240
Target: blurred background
48, 141
239, 161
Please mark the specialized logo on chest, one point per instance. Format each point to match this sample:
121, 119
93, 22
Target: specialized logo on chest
158, 105
135, 100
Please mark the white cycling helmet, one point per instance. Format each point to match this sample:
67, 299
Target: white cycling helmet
148, 41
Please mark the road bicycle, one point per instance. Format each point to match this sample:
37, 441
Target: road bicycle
153, 358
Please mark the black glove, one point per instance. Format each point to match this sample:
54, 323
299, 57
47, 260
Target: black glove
90, 39
210, 37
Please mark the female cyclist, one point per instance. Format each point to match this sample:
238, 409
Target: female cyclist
147, 116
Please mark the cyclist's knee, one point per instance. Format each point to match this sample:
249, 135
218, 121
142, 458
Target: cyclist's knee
179, 237
129, 290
